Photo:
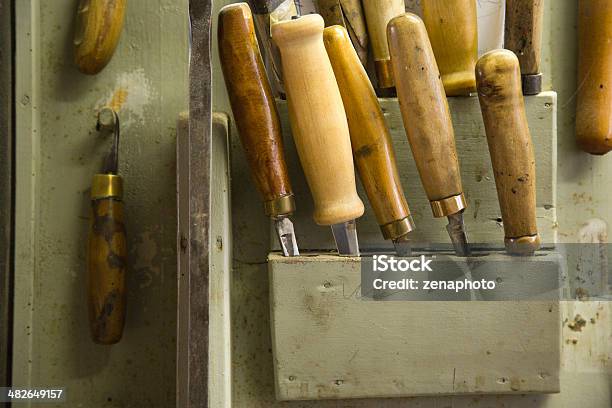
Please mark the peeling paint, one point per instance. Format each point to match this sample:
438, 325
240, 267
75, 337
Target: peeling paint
131, 95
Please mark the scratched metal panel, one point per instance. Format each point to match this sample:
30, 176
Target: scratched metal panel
58, 152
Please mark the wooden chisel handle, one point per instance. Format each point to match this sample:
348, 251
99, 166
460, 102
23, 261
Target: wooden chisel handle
370, 137
318, 120
523, 36
254, 108
425, 114
503, 111
453, 32
594, 108
378, 14
98, 28
107, 257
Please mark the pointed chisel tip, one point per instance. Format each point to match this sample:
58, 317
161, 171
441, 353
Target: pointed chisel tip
345, 235
456, 230
286, 236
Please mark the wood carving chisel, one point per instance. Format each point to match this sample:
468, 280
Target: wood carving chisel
453, 31
320, 128
371, 141
98, 27
503, 111
265, 14
348, 14
594, 105
256, 118
107, 246
523, 36
378, 13
427, 122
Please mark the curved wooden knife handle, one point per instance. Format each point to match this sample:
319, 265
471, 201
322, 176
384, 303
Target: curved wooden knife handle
254, 107
594, 108
378, 14
453, 32
370, 137
425, 113
503, 111
98, 28
107, 257
523, 36
318, 120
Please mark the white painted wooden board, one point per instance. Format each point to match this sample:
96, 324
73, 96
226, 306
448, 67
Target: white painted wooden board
482, 215
328, 343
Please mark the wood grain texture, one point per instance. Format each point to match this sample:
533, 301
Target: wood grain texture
453, 32
424, 107
503, 110
594, 109
318, 120
252, 101
330, 343
378, 14
98, 29
348, 14
107, 256
482, 216
370, 138
523, 32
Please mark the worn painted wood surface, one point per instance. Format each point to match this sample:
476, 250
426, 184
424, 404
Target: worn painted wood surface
582, 196
330, 343
58, 151
483, 214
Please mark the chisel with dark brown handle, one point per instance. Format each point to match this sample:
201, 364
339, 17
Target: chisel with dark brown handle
348, 14
107, 246
427, 122
98, 28
498, 79
256, 118
594, 105
371, 141
320, 129
378, 14
453, 31
265, 14
523, 36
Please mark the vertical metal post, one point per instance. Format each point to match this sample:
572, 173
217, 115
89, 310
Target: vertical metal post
6, 186
193, 228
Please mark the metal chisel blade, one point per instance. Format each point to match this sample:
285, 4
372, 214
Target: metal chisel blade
402, 247
286, 236
456, 230
345, 235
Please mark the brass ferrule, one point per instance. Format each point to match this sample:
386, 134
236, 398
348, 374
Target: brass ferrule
523, 246
106, 186
284, 205
448, 206
384, 73
398, 228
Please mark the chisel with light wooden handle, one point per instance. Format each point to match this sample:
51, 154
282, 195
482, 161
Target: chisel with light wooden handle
594, 105
453, 31
256, 118
319, 127
503, 111
427, 122
371, 141
107, 246
378, 14
523, 36
98, 28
